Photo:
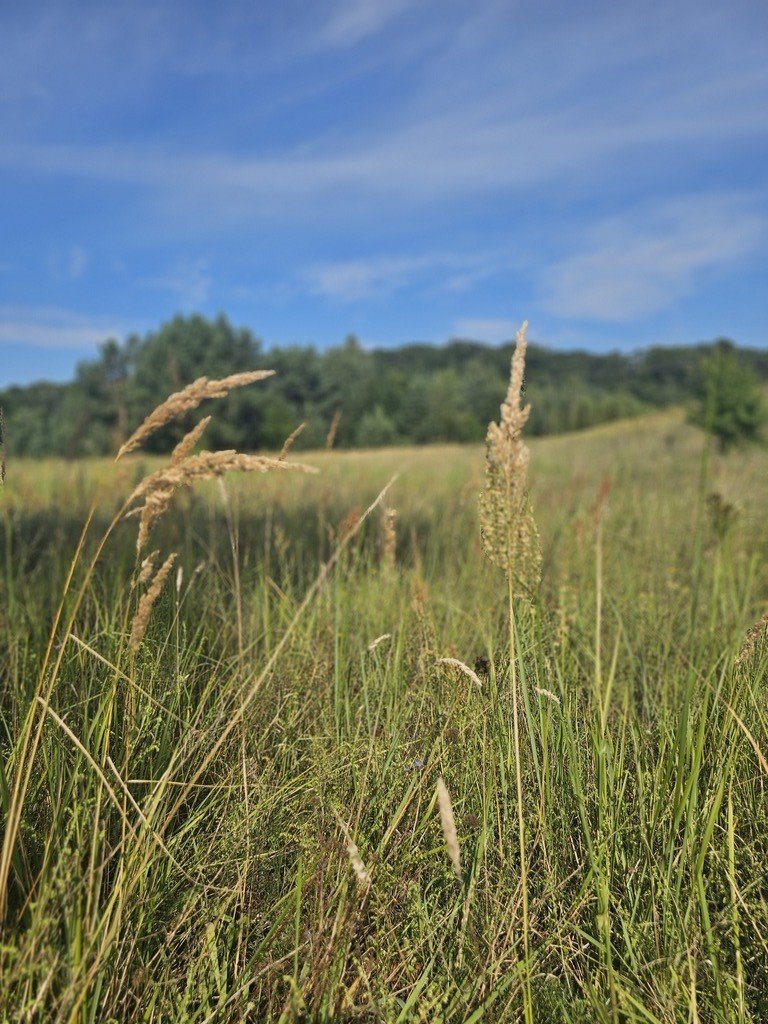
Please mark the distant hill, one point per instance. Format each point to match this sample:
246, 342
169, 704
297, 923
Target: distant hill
414, 394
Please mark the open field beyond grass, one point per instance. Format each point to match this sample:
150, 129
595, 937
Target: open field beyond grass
238, 821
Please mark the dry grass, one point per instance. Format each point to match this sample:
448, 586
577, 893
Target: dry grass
147, 602
448, 825
389, 537
184, 401
157, 489
506, 521
187, 444
240, 824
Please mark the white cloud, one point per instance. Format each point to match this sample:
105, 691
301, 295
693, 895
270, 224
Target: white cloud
48, 327
371, 278
480, 329
189, 281
554, 107
351, 21
640, 264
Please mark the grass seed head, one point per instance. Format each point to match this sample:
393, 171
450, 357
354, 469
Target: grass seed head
186, 400
288, 443
464, 669
448, 824
389, 537
147, 602
159, 487
187, 444
333, 430
508, 529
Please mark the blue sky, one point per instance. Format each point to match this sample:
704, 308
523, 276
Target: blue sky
407, 170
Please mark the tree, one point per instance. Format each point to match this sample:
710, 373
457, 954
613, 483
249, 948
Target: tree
376, 430
730, 404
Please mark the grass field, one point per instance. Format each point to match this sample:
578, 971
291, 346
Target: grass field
238, 821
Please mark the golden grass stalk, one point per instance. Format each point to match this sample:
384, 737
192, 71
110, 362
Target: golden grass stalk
186, 400
379, 640
389, 536
448, 824
508, 529
333, 430
147, 602
159, 487
356, 862
147, 567
511, 541
288, 443
543, 692
187, 444
465, 669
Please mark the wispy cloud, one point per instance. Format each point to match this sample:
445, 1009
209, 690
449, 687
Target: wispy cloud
355, 280
376, 277
351, 21
485, 329
639, 264
532, 121
190, 282
47, 327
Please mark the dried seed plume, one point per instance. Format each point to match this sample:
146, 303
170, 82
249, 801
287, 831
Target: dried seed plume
186, 400
187, 444
448, 824
147, 568
147, 602
379, 640
362, 873
288, 443
333, 430
465, 669
389, 537
508, 529
159, 487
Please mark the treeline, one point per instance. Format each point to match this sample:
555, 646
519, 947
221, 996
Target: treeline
415, 394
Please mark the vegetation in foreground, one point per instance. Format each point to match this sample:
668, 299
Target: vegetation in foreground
290, 800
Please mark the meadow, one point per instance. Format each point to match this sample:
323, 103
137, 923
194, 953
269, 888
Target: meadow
241, 817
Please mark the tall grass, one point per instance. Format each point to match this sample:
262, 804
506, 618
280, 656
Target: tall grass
293, 801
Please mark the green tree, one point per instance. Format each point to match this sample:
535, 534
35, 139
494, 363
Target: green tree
376, 430
730, 404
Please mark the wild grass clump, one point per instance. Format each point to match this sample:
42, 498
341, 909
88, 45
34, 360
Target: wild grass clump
276, 779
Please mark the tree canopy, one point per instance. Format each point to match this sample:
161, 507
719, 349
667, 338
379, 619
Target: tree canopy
414, 394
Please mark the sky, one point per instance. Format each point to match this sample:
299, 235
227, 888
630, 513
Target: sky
407, 170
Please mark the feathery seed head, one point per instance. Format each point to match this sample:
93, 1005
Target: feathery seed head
187, 444
389, 536
159, 487
186, 400
146, 603
448, 825
508, 529
288, 443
